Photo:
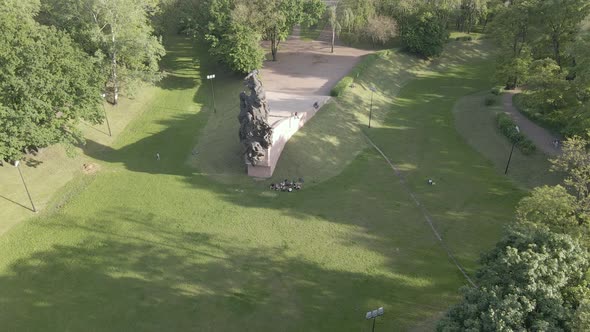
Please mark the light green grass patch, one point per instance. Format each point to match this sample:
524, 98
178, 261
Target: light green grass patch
476, 122
156, 245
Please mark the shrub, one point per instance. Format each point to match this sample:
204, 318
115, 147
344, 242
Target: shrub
507, 128
490, 100
464, 38
339, 88
346, 81
496, 90
526, 146
424, 34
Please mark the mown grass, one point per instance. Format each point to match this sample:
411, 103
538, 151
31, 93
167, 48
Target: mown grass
147, 245
52, 168
476, 123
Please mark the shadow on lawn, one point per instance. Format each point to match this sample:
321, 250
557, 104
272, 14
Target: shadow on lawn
154, 273
177, 280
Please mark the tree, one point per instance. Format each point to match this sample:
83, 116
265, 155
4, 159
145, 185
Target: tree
425, 34
533, 280
559, 21
233, 34
470, 13
238, 48
47, 83
551, 206
334, 24
118, 32
511, 31
575, 162
278, 17
549, 89
380, 29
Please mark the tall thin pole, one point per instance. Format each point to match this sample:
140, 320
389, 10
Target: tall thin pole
213, 95
373, 330
371, 109
509, 158
512, 150
25, 184
106, 117
103, 95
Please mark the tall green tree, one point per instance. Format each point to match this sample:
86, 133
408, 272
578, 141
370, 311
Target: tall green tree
118, 32
512, 32
574, 161
47, 83
278, 17
558, 22
334, 25
425, 33
533, 280
233, 34
470, 14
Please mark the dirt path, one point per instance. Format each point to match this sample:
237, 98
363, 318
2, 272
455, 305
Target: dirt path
540, 136
308, 67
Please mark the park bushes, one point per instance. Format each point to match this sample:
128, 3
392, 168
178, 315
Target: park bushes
490, 100
496, 90
347, 80
341, 86
507, 128
464, 38
566, 121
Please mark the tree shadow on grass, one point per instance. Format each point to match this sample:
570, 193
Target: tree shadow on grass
291, 293
180, 280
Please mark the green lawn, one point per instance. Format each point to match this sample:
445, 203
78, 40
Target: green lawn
146, 245
477, 123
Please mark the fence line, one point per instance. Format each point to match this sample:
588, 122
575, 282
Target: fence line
424, 211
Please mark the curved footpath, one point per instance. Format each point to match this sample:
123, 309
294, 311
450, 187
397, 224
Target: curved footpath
542, 138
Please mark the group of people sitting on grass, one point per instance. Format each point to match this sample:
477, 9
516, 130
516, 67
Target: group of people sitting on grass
287, 185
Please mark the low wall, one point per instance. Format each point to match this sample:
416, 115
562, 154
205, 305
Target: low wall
283, 129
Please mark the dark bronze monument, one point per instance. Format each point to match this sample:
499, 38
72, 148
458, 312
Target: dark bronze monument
255, 132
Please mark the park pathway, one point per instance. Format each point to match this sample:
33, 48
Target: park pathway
540, 136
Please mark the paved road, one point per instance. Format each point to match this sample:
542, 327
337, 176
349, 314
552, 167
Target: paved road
542, 138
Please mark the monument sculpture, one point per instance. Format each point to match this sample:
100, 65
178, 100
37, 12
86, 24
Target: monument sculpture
255, 131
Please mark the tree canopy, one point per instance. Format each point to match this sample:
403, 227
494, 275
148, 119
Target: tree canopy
533, 280
47, 83
117, 32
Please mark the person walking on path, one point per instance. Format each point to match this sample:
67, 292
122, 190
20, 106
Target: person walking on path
157, 155
541, 137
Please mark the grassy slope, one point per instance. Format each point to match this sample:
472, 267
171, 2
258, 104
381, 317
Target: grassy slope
470, 201
322, 150
477, 123
158, 246
52, 168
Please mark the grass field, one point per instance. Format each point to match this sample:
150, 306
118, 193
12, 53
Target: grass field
146, 245
477, 123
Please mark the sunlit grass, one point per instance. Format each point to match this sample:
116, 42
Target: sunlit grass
148, 245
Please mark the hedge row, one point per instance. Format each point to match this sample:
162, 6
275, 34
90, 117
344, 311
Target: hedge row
347, 80
508, 128
339, 88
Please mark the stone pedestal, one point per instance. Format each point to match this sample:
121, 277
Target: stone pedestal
288, 114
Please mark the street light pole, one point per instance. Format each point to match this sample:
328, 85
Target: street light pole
17, 165
371, 108
511, 150
211, 77
373, 315
103, 95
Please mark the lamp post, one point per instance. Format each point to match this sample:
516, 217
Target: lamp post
17, 165
511, 150
211, 77
372, 88
373, 315
103, 95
